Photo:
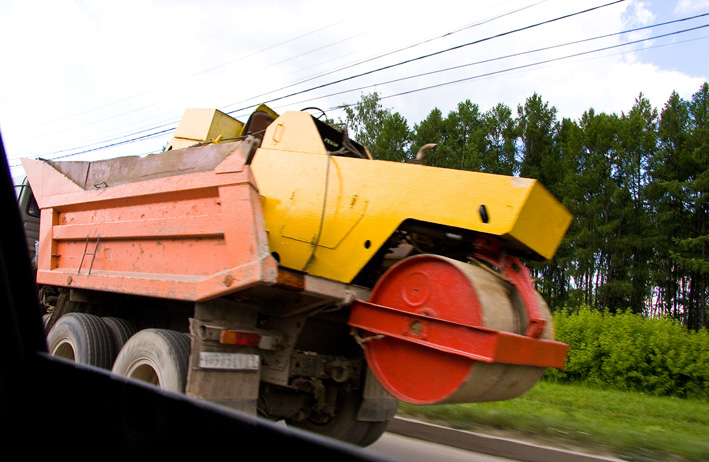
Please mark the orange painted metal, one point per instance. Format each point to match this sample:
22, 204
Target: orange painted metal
192, 236
521, 278
473, 342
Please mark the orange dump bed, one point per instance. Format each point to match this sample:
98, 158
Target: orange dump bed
183, 224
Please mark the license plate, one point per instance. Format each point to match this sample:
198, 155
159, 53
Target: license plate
229, 361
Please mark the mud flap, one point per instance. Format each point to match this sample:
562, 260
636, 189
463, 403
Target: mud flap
378, 405
223, 374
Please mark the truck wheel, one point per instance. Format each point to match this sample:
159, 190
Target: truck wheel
156, 356
375, 430
121, 330
344, 425
82, 338
45, 320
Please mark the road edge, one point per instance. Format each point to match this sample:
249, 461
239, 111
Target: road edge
487, 444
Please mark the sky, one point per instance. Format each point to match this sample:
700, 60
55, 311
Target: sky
84, 80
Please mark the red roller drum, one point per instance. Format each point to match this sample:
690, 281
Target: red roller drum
445, 326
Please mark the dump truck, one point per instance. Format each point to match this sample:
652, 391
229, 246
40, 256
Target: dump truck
275, 267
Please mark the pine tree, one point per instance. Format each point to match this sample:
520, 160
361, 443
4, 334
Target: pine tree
385, 134
668, 193
500, 156
538, 130
692, 251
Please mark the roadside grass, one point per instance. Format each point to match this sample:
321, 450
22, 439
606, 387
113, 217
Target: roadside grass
627, 425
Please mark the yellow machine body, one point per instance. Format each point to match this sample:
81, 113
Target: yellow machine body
328, 214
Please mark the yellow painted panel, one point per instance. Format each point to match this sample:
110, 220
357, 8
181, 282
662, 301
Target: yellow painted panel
204, 125
519, 209
305, 213
330, 214
294, 131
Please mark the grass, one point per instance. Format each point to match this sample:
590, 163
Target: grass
627, 425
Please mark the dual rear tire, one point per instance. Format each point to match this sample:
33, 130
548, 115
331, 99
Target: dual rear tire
82, 338
156, 356
161, 357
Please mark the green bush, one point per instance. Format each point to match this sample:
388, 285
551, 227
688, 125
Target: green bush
628, 352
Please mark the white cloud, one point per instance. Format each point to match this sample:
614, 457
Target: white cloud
81, 72
691, 6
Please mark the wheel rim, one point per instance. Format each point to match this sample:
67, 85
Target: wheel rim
65, 350
157, 357
82, 338
145, 371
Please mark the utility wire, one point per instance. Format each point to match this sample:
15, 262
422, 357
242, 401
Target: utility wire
341, 80
118, 143
447, 34
389, 53
479, 76
437, 53
89, 147
574, 55
501, 71
186, 78
537, 50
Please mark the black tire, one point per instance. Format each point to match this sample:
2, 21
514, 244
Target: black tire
375, 430
121, 330
45, 321
156, 356
82, 338
344, 426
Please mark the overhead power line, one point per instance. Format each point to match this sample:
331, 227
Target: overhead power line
389, 53
437, 53
112, 143
478, 76
262, 50
546, 61
119, 143
537, 50
155, 131
447, 34
511, 69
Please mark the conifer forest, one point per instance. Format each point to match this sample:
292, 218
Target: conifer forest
637, 184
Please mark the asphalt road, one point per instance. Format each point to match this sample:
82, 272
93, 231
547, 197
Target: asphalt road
410, 440
408, 449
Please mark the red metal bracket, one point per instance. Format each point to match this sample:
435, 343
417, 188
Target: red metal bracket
518, 274
521, 278
476, 343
